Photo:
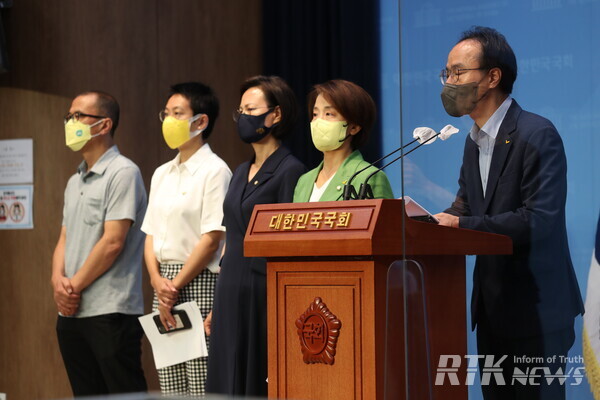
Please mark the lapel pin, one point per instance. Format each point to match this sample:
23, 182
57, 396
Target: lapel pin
508, 141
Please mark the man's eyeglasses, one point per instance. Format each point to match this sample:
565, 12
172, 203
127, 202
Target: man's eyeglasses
76, 116
454, 75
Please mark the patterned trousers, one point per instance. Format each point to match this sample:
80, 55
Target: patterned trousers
188, 378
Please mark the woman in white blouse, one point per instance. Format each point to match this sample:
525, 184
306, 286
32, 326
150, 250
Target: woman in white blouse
183, 222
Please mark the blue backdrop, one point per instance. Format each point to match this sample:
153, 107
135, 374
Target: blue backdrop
557, 44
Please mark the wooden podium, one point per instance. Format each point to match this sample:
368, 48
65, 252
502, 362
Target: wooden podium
328, 282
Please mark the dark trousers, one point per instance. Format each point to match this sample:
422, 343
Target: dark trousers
102, 354
524, 353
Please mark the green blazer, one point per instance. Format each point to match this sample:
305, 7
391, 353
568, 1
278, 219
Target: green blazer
379, 182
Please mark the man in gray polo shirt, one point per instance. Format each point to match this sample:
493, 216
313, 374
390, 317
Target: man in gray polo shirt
97, 263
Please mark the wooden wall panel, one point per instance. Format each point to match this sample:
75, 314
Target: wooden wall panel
222, 58
31, 366
66, 47
133, 49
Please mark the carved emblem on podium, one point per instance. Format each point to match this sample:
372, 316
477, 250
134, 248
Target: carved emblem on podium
318, 330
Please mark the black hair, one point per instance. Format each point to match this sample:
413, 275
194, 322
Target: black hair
496, 53
107, 106
352, 102
277, 93
202, 101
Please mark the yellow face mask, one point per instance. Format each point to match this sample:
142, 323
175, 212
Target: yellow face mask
328, 135
177, 131
77, 134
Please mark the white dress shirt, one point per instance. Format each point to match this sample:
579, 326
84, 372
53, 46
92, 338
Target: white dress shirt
486, 139
186, 201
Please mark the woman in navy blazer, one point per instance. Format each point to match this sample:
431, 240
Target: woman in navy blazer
237, 363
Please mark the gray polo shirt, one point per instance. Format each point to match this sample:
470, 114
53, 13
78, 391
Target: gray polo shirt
112, 190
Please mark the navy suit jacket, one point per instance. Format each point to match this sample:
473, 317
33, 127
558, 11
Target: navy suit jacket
273, 183
534, 290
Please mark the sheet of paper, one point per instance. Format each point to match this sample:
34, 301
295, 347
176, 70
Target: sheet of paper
16, 161
180, 346
414, 209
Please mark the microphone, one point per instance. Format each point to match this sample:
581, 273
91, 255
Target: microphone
419, 134
365, 191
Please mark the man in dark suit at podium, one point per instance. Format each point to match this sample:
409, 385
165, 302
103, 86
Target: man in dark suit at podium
512, 182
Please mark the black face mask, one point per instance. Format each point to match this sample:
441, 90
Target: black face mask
251, 128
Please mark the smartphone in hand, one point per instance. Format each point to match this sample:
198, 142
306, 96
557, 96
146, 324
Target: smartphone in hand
181, 318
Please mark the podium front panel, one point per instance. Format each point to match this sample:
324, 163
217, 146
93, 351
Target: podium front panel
308, 302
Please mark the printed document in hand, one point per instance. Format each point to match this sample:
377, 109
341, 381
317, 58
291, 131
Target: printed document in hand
415, 211
179, 346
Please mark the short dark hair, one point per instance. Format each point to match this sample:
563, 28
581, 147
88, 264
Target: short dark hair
496, 53
352, 102
277, 93
107, 105
202, 101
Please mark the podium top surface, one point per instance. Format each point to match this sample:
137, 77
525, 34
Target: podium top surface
358, 228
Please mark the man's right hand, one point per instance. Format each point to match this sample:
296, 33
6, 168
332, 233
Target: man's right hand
447, 220
67, 301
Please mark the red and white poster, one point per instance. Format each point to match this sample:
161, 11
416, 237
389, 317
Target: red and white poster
16, 207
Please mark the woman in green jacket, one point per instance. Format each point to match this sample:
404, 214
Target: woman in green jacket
343, 115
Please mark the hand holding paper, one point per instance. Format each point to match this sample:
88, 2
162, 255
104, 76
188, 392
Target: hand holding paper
179, 346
